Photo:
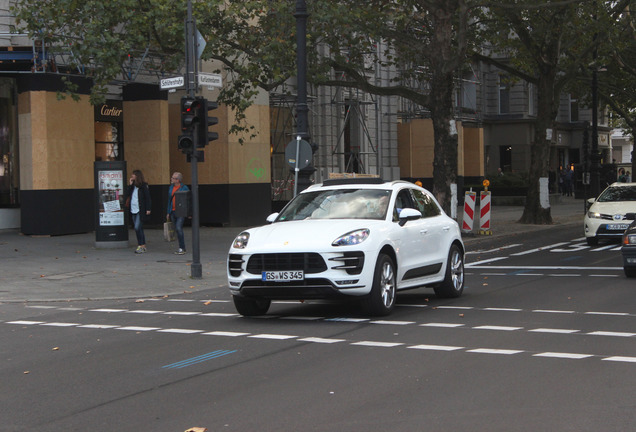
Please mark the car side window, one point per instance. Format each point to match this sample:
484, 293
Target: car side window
425, 204
402, 200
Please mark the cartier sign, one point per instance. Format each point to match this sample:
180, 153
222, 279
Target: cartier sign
111, 111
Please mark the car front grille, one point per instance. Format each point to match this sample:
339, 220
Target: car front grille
308, 262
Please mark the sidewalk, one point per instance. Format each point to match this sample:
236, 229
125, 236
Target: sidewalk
70, 268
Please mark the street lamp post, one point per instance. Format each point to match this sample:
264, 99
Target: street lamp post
595, 183
302, 110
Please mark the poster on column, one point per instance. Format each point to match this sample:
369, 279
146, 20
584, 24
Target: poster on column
111, 197
111, 215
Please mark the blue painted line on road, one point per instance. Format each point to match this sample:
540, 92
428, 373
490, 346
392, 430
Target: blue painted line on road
199, 359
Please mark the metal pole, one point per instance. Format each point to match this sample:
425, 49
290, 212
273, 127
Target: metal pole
302, 110
196, 270
298, 138
595, 185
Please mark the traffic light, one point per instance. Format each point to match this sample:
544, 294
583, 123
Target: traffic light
189, 112
186, 144
188, 121
205, 136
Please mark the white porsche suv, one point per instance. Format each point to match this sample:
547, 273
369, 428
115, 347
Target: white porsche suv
348, 238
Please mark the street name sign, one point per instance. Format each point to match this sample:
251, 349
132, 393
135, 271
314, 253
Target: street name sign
174, 82
211, 80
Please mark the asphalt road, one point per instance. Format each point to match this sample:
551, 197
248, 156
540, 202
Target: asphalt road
543, 339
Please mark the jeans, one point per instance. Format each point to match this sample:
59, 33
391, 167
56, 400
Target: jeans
178, 227
139, 229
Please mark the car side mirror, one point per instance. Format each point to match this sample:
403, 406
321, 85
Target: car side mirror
630, 216
271, 218
408, 214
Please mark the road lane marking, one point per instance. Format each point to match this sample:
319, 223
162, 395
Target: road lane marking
609, 333
225, 333
494, 351
272, 336
180, 331
435, 347
145, 311
367, 343
607, 313
489, 267
109, 310
539, 249
499, 328
219, 314
181, 313
198, 359
552, 330
620, 359
60, 324
25, 322
321, 340
99, 326
553, 311
392, 322
563, 355
378, 344
442, 325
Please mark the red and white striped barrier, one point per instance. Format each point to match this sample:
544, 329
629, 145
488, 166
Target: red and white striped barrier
484, 213
469, 211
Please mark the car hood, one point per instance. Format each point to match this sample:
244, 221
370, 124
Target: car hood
612, 208
306, 235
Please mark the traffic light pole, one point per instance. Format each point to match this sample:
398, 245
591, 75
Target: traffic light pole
196, 269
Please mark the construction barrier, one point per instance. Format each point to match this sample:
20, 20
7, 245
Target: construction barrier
484, 213
469, 211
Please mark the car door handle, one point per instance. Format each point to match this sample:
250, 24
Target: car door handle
446, 228
424, 231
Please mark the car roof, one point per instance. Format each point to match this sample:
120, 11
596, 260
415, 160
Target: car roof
621, 184
361, 182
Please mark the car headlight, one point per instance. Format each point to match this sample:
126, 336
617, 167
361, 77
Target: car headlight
593, 215
629, 239
352, 238
240, 242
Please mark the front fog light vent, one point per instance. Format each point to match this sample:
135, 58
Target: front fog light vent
235, 265
352, 262
347, 282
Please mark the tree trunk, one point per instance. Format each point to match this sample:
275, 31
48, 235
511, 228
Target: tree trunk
445, 148
534, 213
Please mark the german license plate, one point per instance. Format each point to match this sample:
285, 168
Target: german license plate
283, 275
617, 227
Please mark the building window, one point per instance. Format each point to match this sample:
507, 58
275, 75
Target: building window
574, 110
504, 95
532, 93
108, 131
9, 172
505, 158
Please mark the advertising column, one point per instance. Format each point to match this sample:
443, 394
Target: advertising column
111, 224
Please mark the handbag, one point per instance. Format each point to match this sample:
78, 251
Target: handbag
168, 231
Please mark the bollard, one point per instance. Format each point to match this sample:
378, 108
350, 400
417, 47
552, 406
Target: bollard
484, 213
469, 211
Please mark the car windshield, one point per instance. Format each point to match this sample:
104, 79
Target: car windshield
620, 193
338, 204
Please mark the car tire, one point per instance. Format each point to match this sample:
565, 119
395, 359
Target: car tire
630, 271
453, 284
381, 299
251, 307
592, 241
